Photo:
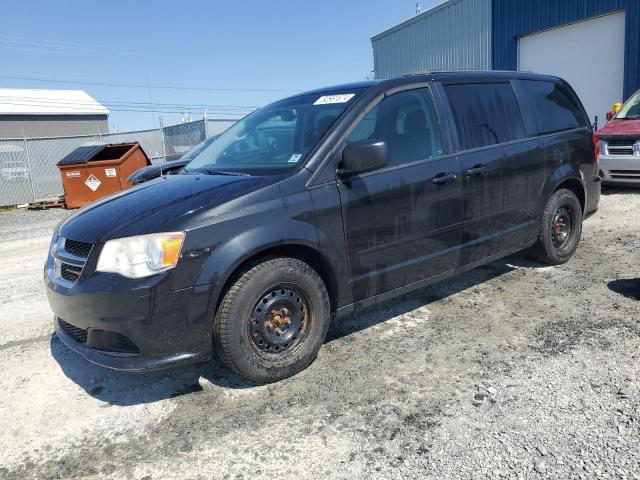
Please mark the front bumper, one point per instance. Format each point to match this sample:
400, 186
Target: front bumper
131, 325
623, 169
125, 363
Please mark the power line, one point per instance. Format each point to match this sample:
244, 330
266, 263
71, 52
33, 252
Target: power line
44, 44
47, 50
116, 109
60, 45
123, 105
43, 40
136, 85
66, 101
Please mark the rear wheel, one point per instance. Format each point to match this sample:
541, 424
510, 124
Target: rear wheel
273, 320
560, 229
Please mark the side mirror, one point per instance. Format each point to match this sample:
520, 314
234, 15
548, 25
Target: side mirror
363, 156
610, 115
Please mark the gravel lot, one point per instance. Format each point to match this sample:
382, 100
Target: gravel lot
510, 371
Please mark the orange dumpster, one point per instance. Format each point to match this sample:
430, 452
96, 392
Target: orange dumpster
95, 171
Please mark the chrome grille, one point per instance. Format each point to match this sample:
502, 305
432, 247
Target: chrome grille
625, 174
626, 147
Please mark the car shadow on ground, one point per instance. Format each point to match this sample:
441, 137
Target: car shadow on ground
629, 287
133, 388
126, 389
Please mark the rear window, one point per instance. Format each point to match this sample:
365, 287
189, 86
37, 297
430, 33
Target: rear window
485, 114
555, 108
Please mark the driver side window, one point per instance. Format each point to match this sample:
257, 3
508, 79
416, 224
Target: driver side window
407, 123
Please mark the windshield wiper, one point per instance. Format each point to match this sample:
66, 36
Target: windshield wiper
222, 172
632, 117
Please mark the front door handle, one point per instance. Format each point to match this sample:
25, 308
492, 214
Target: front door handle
442, 178
475, 171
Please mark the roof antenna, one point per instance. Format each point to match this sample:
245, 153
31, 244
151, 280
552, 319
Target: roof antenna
418, 9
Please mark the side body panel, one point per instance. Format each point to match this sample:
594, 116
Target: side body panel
524, 175
501, 185
399, 226
569, 156
326, 205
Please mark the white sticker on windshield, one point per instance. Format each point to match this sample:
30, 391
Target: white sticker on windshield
327, 99
295, 157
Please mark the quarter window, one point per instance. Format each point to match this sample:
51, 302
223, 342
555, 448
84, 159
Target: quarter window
407, 123
485, 114
555, 108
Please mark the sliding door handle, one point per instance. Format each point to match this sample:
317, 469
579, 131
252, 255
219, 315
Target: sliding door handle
475, 171
443, 178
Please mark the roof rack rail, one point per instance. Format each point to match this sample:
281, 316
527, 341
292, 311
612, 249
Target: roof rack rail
455, 70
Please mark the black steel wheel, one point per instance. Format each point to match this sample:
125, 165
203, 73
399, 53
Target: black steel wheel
279, 320
273, 320
561, 226
560, 229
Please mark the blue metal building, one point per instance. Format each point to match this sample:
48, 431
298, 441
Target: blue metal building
593, 44
512, 19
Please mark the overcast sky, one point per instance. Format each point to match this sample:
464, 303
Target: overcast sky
253, 52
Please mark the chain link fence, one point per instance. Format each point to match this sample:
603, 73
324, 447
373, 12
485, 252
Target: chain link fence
28, 168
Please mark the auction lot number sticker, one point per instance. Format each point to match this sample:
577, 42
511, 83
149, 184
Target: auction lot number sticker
327, 99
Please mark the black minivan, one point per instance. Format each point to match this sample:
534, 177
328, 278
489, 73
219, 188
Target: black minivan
319, 205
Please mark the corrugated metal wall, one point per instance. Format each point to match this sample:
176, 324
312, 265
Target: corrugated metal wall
19, 126
514, 18
454, 35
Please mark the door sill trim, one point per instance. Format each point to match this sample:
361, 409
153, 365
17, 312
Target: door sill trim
396, 292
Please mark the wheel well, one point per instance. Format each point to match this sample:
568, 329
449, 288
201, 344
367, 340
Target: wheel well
301, 252
576, 187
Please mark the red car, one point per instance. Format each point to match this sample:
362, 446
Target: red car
619, 142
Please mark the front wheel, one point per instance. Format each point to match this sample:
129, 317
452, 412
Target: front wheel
560, 229
272, 322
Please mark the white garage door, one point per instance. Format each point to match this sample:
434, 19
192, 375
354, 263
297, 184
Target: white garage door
589, 55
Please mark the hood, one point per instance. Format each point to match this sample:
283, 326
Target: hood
623, 128
147, 207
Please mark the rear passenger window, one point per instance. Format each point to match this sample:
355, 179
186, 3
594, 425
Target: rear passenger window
485, 114
407, 123
555, 108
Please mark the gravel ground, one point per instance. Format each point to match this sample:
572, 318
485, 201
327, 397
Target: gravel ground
510, 371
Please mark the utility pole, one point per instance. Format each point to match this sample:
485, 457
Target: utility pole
26, 150
153, 113
164, 148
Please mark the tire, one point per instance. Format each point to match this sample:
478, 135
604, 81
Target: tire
273, 320
560, 229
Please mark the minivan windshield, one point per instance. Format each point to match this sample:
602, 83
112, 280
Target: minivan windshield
631, 109
275, 138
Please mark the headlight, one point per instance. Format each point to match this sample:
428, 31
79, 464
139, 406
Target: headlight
141, 256
53, 248
603, 147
